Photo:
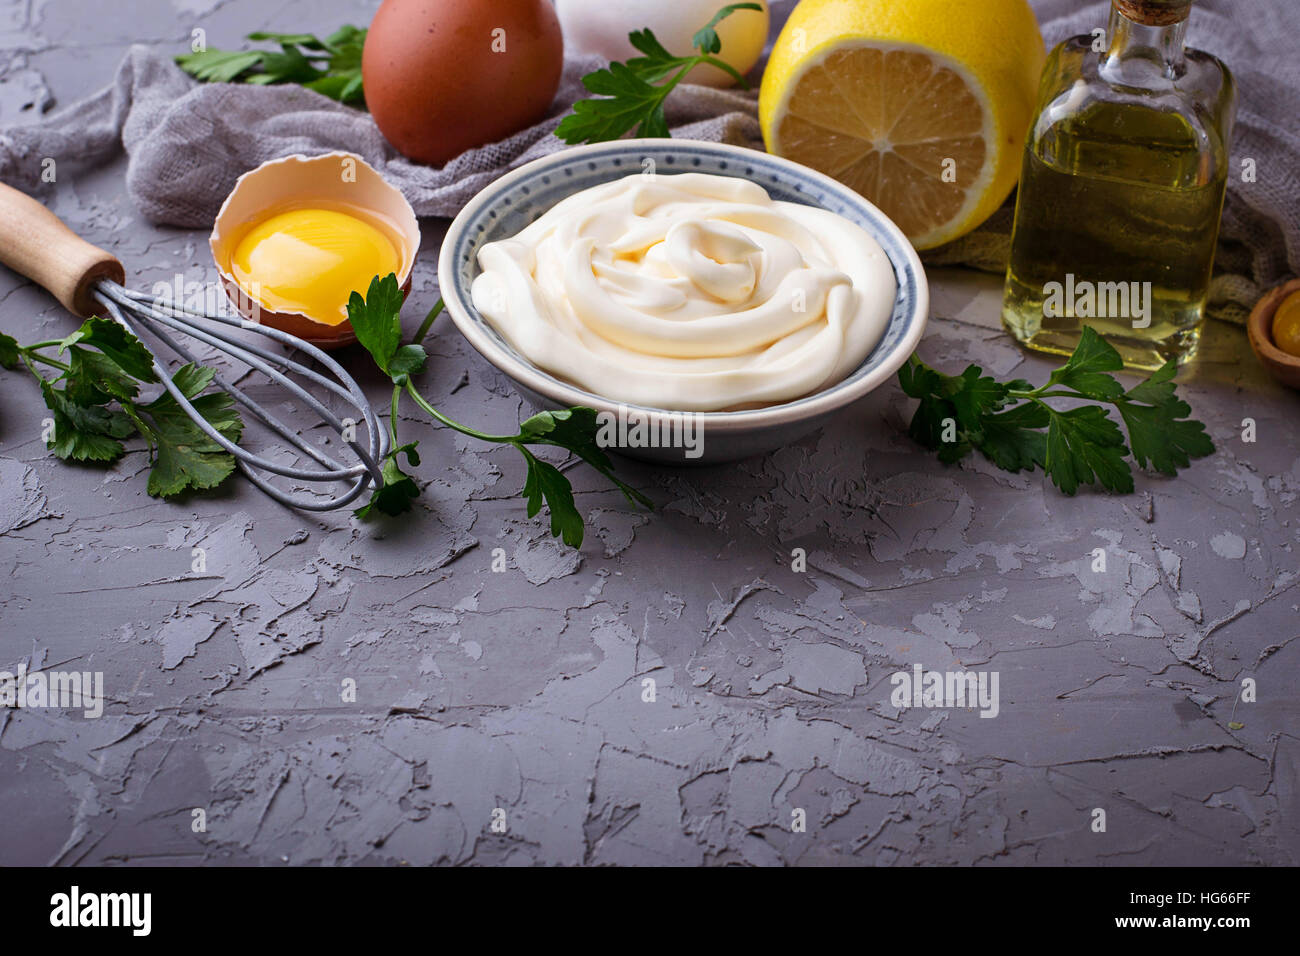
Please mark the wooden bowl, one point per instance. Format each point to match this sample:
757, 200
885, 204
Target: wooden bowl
1259, 328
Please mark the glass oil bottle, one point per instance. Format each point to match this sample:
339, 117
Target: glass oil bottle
1121, 190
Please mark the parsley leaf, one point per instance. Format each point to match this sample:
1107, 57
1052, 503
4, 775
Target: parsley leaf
576, 429
9, 351
407, 361
1013, 439
1013, 426
1157, 389
394, 496
706, 39
635, 91
977, 395
84, 432
94, 378
953, 408
1086, 369
331, 66
376, 319
219, 66
655, 62
120, 346
546, 481
1161, 435
95, 410
290, 65
1085, 445
183, 456
632, 102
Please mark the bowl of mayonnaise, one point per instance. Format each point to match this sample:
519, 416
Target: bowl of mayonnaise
710, 302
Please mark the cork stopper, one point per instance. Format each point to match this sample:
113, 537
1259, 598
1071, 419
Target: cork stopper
1154, 13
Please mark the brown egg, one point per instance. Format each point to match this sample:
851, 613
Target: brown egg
444, 76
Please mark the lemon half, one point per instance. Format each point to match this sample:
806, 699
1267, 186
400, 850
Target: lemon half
921, 106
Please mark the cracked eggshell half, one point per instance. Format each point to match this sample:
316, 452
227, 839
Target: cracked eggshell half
337, 181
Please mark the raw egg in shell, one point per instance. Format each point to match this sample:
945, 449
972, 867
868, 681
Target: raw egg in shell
298, 236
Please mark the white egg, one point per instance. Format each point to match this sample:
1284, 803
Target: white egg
602, 26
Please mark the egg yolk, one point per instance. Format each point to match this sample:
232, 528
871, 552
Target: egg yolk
1286, 325
311, 261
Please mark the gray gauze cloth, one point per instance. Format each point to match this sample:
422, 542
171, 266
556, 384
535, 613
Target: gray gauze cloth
188, 142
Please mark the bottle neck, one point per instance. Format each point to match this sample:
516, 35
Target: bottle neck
1145, 42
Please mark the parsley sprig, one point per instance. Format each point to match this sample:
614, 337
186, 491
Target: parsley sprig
93, 403
331, 66
376, 319
635, 91
1013, 426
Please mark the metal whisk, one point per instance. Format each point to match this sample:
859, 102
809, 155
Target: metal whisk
88, 281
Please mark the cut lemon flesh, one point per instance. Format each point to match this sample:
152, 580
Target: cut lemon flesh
902, 127
920, 105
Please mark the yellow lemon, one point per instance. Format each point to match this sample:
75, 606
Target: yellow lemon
921, 106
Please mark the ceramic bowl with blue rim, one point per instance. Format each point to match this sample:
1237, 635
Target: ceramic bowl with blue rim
515, 200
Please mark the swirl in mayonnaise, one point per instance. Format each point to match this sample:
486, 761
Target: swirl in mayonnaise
688, 292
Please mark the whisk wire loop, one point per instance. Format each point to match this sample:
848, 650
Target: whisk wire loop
131, 308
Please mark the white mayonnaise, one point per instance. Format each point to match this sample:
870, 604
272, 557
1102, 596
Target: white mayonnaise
688, 292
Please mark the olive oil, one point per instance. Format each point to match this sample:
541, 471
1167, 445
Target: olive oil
1121, 191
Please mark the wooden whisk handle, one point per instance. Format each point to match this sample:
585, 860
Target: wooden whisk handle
36, 243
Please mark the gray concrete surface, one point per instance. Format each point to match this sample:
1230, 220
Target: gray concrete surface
523, 690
